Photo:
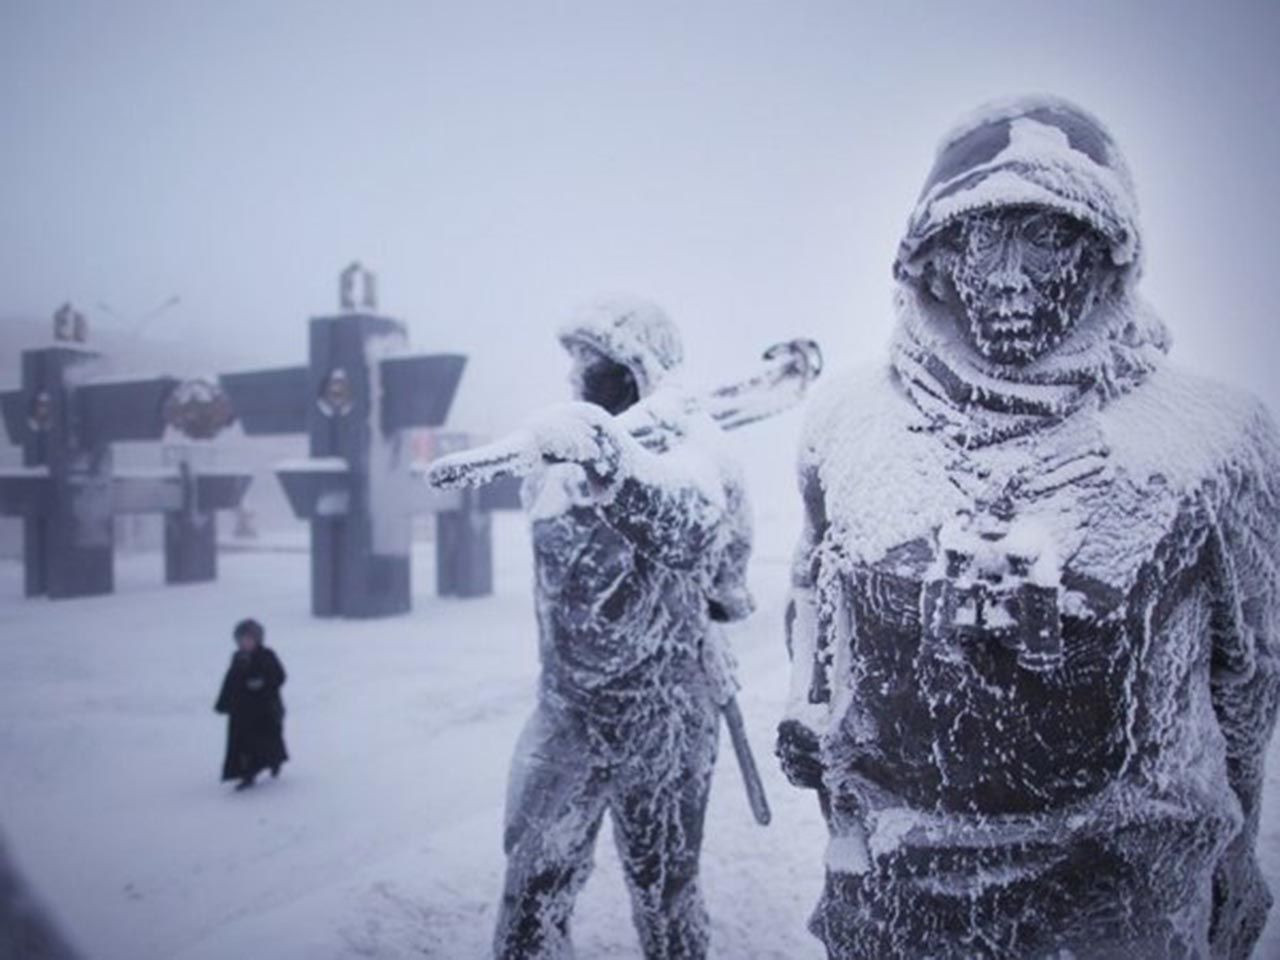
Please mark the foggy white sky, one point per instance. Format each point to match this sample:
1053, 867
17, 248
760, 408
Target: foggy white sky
748, 164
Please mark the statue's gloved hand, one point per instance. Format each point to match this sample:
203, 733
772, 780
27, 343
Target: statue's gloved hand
798, 751
580, 433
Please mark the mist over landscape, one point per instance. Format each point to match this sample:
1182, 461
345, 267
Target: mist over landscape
750, 166
193, 177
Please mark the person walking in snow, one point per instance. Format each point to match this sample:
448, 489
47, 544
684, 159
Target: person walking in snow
636, 554
250, 697
1034, 623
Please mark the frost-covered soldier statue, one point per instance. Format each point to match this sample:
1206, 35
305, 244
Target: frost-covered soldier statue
636, 553
1034, 621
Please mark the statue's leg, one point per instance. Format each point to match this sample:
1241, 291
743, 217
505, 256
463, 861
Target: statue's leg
658, 810
555, 802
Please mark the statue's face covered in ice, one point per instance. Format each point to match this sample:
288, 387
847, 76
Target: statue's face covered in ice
600, 380
1023, 277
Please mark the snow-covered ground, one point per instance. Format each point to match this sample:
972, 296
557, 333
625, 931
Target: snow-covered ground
382, 837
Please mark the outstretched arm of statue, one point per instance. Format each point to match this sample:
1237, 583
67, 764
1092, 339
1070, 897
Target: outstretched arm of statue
669, 505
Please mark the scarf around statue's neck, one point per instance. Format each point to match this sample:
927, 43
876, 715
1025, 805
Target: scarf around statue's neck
976, 402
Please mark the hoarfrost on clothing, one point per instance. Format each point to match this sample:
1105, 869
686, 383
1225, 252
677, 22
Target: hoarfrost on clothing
1035, 610
634, 554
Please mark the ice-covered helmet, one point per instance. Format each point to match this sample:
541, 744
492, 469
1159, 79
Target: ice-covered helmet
1037, 151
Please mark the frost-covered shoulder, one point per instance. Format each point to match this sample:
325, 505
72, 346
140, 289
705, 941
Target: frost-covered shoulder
1181, 423
844, 407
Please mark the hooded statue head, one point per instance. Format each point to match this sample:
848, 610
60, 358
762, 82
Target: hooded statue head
1019, 264
623, 349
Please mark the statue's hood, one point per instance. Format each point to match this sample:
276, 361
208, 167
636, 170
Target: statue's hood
1032, 151
631, 331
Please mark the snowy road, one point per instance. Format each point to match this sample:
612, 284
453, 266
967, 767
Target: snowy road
382, 838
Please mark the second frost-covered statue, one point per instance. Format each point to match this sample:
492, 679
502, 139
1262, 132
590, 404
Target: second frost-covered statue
636, 553
1034, 619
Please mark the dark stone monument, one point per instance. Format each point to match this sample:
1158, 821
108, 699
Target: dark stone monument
356, 398
67, 492
464, 534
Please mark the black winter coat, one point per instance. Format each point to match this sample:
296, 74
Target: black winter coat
250, 698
